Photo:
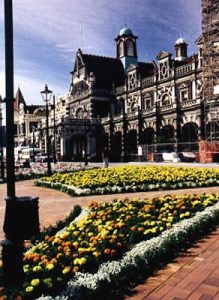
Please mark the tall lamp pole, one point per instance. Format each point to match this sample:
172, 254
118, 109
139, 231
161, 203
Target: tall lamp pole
33, 143
21, 218
54, 128
46, 95
2, 174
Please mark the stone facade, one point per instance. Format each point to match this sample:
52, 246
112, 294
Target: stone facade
121, 103
132, 108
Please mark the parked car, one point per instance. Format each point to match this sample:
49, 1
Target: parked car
41, 157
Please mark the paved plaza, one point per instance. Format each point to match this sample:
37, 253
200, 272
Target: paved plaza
194, 275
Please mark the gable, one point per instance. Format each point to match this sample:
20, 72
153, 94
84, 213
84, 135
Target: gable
132, 67
163, 54
79, 63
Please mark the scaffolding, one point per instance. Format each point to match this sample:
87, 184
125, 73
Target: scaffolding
210, 67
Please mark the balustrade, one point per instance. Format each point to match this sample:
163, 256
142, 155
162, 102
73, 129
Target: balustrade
120, 90
189, 103
183, 70
148, 81
167, 107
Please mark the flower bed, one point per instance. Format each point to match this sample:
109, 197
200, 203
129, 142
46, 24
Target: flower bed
105, 234
130, 179
38, 170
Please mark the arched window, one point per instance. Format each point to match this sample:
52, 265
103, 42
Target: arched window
166, 100
80, 113
130, 48
121, 49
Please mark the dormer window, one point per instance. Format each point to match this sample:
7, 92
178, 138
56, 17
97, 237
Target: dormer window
164, 71
165, 64
132, 80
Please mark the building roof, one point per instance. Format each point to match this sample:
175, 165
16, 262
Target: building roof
187, 60
32, 108
19, 98
125, 31
180, 41
107, 70
146, 69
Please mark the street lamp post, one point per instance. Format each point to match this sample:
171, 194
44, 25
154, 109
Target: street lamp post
54, 128
2, 174
46, 95
33, 143
21, 219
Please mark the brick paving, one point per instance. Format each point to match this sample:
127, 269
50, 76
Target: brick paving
193, 276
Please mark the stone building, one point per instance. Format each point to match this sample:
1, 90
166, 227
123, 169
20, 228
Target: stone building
27, 119
122, 103
130, 107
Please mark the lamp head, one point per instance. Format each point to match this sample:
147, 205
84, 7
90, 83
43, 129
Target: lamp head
46, 94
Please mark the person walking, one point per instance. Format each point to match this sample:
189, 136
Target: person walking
84, 155
105, 155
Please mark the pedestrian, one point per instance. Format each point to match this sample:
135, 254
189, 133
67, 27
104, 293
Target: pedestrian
105, 155
84, 156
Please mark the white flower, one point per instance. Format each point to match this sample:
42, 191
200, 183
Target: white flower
141, 252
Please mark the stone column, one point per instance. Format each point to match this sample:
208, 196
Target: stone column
193, 89
173, 94
62, 146
175, 135
199, 128
123, 140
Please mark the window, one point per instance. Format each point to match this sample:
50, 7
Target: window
133, 107
121, 49
79, 113
119, 107
164, 70
200, 57
166, 100
184, 95
132, 80
147, 101
130, 48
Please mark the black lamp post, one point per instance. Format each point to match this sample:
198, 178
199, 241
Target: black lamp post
54, 129
33, 143
2, 174
21, 219
46, 95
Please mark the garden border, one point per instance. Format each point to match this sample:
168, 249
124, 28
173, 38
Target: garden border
115, 273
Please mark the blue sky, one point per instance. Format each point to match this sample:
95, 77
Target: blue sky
47, 34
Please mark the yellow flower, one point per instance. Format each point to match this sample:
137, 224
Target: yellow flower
35, 282
37, 269
26, 268
82, 261
50, 266
29, 289
66, 270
